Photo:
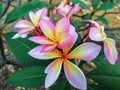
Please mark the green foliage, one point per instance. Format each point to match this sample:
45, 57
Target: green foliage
1, 8
23, 10
102, 19
95, 3
82, 4
61, 85
20, 48
29, 77
96, 87
87, 16
107, 75
106, 6
117, 1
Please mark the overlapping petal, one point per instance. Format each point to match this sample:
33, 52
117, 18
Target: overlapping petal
47, 48
36, 53
74, 75
53, 72
62, 26
60, 12
24, 24
73, 10
72, 40
110, 50
48, 29
96, 35
86, 51
64, 40
41, 40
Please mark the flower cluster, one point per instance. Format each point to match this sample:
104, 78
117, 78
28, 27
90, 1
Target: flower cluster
56, 42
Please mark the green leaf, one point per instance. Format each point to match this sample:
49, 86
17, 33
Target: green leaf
61, 85
87, 16
102, 19
25, 9
96, 87
29, 77
1, 8
82, 4
95, 3
20, 48
107, 75
116, 1
106, 6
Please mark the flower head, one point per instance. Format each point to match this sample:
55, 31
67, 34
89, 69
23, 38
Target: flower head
58, 36
26, 27
86, 51
97, 33
67, 10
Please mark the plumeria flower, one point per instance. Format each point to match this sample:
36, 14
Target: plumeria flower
97, 33
67, 10
58, 36
26, 27
86, 51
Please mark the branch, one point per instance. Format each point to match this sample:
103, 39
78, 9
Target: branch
50, 2
6, 8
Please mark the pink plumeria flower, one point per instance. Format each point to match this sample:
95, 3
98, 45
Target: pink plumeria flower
58, 36
86, 51
67, 10
97, 33
26, 27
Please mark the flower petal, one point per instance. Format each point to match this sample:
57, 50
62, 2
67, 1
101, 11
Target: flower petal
64, 40
41, 40
110, 50
48, 29
62, 26
93, 22
47, 48
18, 35
24, 30
74, 75
53, 72
86, 51
24, 24
73, 10
96, 35
36, 53
72, 40
60, 12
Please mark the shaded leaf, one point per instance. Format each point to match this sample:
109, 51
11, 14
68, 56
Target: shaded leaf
107, 75
20, 48
87, 16
95, 3
116, 1
61, 85
29, 77
96, 87
1, 8
106, 6
23, 10
102, 19
82, 4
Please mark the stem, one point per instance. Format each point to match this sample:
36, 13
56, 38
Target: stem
2, 49
50, 2
6, 8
